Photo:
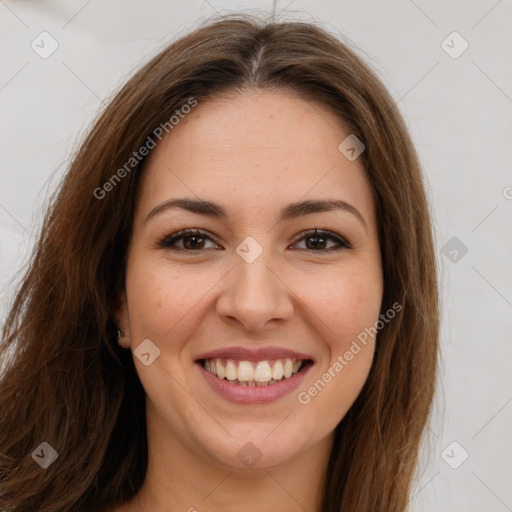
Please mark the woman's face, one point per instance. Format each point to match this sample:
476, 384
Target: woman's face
254, 293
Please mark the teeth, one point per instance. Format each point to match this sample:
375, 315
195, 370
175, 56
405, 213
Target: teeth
278, 371
231, 373
288, 368
245, 373
220, 369
263, 372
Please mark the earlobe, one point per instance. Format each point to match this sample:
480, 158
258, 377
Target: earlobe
122, 339
122, 321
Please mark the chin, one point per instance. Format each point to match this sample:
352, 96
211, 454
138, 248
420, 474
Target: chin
256, 447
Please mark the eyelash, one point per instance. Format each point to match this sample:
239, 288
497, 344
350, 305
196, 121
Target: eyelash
169, 240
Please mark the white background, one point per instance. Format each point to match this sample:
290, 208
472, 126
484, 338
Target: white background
459, 113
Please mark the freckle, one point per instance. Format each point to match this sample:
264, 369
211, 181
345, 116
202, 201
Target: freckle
159, 304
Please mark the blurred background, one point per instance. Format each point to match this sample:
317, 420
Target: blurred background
444, 63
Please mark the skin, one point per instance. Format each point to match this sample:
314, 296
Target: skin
252, 153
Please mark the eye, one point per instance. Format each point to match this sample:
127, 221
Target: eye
192, 239
195, 240
320, 239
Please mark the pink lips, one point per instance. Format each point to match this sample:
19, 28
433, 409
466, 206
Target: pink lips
253, 394
259, 354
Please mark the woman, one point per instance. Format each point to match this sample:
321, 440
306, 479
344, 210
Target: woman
233, 301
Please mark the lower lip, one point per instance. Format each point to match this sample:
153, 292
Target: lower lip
253, 394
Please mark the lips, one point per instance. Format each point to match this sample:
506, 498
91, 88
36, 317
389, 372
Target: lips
260, 354
253, 376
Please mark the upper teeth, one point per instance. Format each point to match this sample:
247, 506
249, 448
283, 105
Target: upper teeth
246, 371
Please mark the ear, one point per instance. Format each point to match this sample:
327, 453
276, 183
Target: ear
123, 320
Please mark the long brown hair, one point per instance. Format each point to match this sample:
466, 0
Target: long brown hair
65, 381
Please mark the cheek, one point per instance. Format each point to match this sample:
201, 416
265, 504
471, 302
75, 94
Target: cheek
164, 299
344, 304
345, 309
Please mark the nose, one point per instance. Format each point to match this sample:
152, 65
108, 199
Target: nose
255, 295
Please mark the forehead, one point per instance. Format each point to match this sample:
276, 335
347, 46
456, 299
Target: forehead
258, 148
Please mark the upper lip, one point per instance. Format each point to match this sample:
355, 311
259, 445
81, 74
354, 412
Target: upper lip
240, 353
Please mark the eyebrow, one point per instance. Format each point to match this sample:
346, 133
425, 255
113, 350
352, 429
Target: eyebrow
290, 211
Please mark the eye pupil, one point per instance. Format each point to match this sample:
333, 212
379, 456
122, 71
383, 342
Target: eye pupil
195, 244
315, 244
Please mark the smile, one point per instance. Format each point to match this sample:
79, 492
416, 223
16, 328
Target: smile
253, 373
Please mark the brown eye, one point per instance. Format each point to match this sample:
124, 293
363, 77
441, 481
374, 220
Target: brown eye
196, 240
317, 241
192, 240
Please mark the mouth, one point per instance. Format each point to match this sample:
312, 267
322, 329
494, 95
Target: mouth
247, 376
262, 373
